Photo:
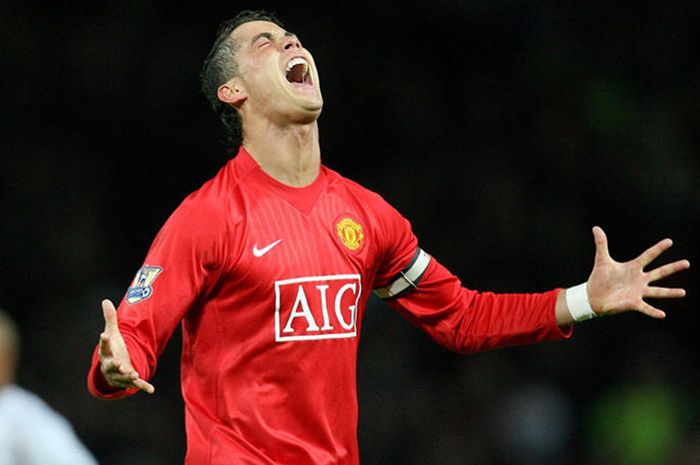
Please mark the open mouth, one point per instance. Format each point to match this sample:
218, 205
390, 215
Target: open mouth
298, 71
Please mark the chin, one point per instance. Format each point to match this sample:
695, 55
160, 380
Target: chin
307, 111
308, 116
315, 108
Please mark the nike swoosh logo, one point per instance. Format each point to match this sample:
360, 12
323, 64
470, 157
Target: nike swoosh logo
260, 252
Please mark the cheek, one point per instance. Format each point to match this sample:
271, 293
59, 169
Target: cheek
263, 84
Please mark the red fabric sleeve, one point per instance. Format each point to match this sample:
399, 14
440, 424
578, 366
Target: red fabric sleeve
467, 321
189, 250
457, 318
397, 243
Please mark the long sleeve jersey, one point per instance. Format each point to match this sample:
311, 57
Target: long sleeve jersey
269, 284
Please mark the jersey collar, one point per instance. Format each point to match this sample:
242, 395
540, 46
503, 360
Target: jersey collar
302, 198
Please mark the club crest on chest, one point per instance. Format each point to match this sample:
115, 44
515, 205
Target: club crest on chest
350, 233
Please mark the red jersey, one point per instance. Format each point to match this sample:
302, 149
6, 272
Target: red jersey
269, 284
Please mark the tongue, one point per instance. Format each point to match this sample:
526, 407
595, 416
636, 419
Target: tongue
296, 74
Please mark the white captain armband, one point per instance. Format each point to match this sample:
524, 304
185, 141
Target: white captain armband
407, 279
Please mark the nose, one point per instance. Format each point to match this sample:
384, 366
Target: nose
291, 42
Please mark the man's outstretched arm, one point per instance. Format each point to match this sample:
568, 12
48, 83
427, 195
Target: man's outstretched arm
467, 320
617, 287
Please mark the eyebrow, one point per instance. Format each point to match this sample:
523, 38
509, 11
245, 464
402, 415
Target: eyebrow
268, 35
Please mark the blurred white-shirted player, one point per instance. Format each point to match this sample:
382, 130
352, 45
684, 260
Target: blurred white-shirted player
31, 432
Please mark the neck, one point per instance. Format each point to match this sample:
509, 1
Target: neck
291, 155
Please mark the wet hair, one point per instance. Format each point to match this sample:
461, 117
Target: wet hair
220, 66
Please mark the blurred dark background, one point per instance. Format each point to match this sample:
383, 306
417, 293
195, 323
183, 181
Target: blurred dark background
504, 130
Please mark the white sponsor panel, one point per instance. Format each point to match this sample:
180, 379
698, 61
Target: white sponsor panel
317, 307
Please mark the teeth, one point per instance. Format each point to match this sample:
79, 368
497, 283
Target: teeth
297, 61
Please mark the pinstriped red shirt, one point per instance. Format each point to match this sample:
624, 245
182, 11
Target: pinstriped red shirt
269, 284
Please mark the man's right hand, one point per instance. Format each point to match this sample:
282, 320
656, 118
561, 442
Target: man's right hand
115, 363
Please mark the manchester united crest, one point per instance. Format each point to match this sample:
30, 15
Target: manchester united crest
350, 233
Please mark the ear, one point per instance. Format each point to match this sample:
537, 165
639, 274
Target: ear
232, 92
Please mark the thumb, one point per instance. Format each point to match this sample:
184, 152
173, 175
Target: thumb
601, 244
110, 315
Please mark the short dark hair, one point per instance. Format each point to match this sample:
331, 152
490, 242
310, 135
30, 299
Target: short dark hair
220, 66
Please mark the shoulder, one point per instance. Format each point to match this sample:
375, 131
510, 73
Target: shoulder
386, 222
209, 209
368, 198
22, 404
39, 433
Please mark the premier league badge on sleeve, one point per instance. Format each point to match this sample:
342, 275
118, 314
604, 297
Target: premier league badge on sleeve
141, 288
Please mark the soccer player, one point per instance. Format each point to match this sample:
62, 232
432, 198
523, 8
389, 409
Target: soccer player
31, 432
268, 267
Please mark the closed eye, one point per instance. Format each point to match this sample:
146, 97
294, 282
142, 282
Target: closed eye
262, 39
